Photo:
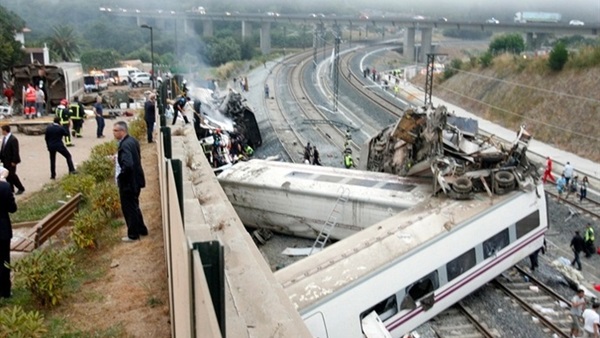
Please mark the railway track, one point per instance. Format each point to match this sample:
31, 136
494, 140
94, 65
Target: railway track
546, 307
460, 322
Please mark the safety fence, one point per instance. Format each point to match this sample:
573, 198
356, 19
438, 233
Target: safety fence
192, 311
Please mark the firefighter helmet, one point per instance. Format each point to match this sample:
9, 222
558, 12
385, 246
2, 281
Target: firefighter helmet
64, 102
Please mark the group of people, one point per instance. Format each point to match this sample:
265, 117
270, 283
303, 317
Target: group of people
311, 155
583, 244
34, 100
568, 183
584, 318
129, 177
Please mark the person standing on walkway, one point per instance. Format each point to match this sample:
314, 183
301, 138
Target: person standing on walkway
577, 245
548, 171
568, 172
583, 189
7, 205
98, 112
40, 100
266, 91
53, 136
150, 116
589, 239
10, 156
77, 115
130, 180
591, 321
577, 308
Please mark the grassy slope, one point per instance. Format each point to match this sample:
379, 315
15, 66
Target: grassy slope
561, 109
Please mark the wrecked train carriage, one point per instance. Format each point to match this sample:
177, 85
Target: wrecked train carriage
58, 81
234, 108
430, 142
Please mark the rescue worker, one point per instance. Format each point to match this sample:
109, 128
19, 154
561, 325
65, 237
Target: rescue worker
62, 111
77, 115
178, 108
348, 161
30, 96
589, 238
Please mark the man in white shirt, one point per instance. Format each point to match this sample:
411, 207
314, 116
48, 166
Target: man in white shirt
577, 307
568, 172
591, 320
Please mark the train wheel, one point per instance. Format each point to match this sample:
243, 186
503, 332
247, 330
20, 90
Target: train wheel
505, 179
462, 185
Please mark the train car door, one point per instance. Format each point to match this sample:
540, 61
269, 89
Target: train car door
316, 325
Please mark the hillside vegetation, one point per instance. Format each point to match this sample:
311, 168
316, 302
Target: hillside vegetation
561, 108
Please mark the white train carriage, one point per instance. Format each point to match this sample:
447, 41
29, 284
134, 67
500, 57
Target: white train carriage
405, 270
297, 199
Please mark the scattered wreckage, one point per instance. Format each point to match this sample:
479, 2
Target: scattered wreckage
225, 127
430, 142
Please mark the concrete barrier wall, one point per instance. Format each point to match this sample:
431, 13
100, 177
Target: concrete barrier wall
192, 312
255, 303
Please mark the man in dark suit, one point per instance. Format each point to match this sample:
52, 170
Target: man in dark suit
54, 142
7, 205
10, 157
130, 180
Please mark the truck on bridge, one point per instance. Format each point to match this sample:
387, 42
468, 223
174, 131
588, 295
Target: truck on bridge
525, 17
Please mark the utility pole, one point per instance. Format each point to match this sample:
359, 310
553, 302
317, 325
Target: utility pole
336, 72
429, 77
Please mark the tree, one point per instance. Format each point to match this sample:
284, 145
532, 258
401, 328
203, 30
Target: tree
64, 42
99, 59
220, 51
10, 49
558, 57
508, 43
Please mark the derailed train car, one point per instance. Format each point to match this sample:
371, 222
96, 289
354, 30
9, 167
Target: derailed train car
58, 81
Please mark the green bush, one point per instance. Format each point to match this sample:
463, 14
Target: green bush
87, 226
82, 183
137, 127
15, 322
105, 149
44, 273
100, 167
486, 59
558, 57
106, 199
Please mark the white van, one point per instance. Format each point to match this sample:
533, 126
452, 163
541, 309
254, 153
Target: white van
119, 76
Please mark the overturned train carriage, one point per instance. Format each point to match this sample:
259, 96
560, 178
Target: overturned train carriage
59, 81
430, 142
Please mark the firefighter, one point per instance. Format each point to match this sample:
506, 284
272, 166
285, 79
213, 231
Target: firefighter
62, 111
589, 238
77, 115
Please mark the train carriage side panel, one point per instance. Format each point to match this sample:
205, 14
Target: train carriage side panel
435, 253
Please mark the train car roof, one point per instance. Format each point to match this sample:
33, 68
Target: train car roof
312, 279
326, 181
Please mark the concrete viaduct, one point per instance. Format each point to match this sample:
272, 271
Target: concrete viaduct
411, 25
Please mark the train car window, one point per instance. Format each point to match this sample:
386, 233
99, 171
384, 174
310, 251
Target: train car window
528, 223
420, 289
461, 264
384, 309
496, 243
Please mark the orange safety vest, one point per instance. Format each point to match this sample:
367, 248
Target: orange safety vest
30, 94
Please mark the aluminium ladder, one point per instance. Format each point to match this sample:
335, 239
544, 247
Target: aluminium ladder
331, 220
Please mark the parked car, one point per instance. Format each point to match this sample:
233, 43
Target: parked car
576, 23
141, 79
492, 20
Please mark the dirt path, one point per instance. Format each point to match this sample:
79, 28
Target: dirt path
133, 294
